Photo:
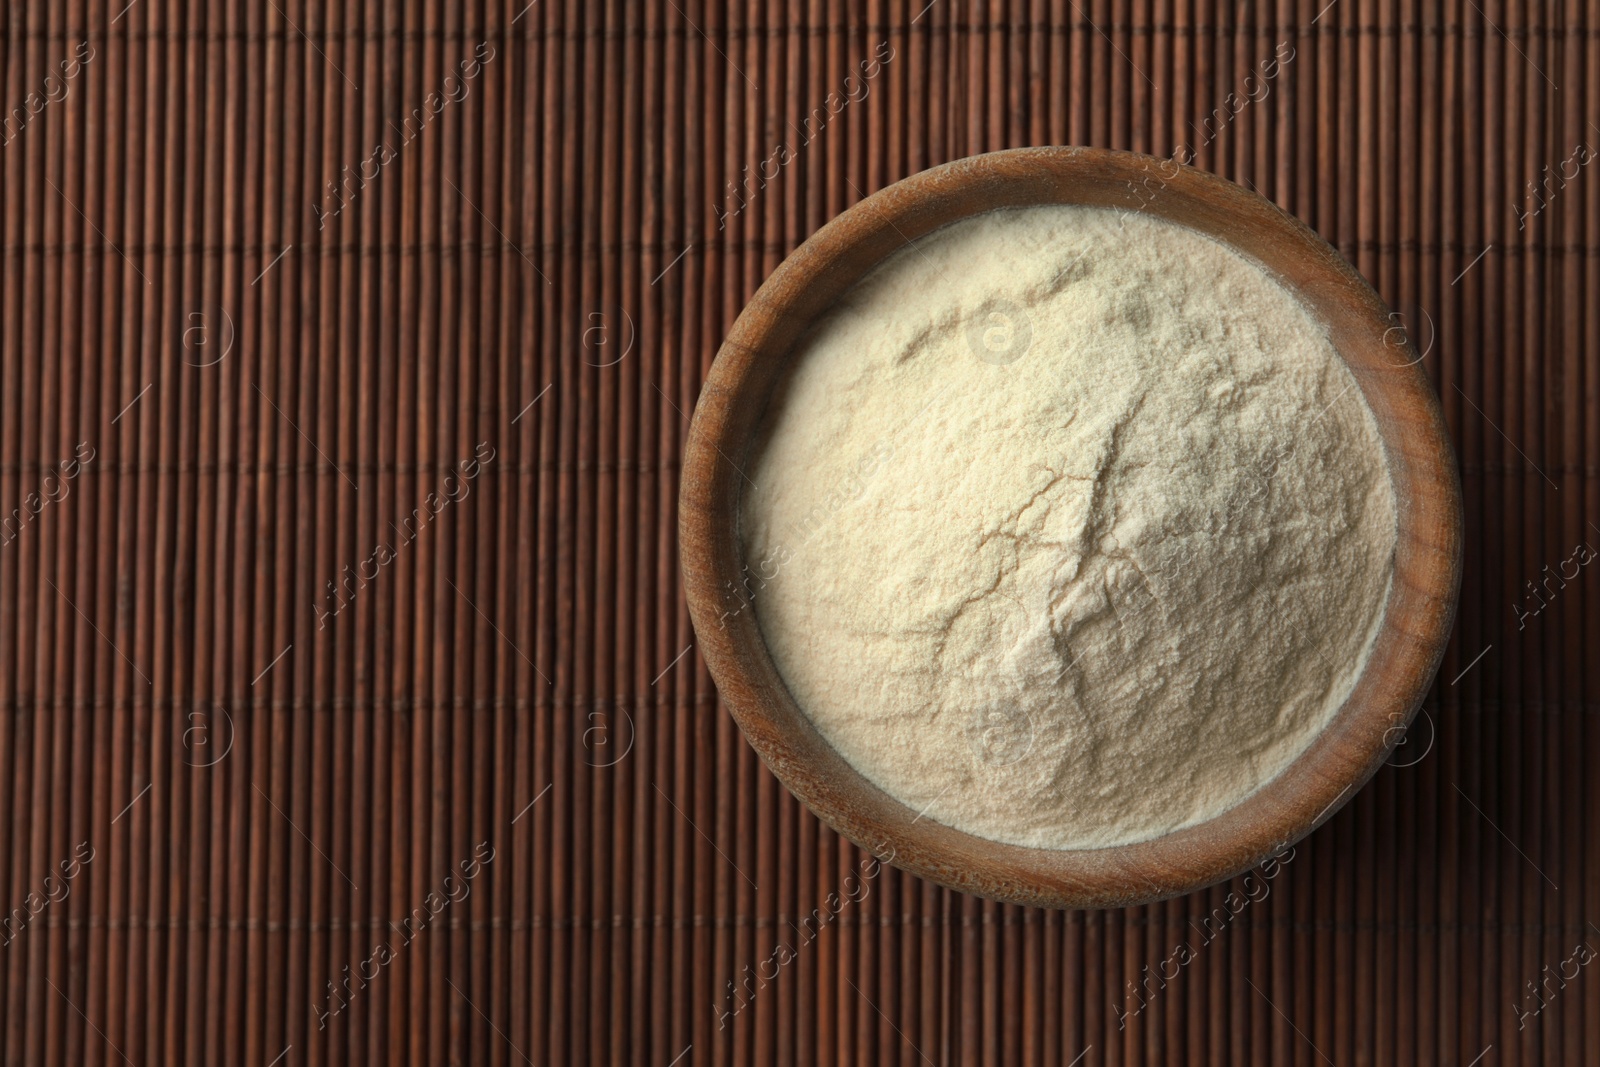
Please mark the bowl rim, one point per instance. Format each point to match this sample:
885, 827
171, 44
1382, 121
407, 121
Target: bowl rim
1407, 649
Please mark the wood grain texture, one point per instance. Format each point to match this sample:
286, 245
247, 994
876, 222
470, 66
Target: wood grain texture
270, 375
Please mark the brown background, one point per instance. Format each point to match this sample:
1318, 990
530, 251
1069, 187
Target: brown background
268, 790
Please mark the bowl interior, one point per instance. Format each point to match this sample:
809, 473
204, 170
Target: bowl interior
1412, 635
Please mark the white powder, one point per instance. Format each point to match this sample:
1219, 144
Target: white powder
1071, 530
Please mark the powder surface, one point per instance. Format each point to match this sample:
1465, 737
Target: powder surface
1068, 529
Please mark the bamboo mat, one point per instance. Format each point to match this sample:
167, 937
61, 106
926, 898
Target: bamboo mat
351, 707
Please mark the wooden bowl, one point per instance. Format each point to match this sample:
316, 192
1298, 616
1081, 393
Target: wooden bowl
1361, 735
